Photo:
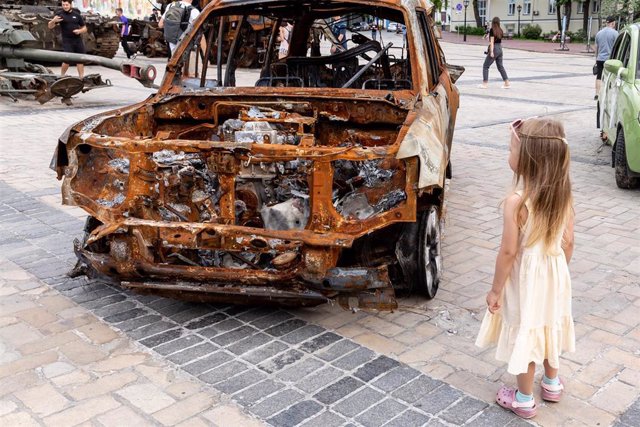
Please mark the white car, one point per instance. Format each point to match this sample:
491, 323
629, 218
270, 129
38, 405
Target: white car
392, 27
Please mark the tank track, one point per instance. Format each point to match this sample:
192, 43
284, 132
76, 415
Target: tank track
107, 44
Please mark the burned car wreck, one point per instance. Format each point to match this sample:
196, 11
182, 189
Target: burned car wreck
321, 178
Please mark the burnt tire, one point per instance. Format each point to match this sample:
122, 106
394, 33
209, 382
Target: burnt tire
623, 174
429, 253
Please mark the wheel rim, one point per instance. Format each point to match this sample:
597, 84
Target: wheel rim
432, 253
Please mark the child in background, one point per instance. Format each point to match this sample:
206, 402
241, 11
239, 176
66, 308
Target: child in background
529, 304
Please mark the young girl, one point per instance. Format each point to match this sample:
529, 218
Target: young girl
529, 304
494, 53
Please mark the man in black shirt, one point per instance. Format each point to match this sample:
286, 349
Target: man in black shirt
72, 27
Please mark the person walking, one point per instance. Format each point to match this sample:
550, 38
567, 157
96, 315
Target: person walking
284, 38
374, 31
529, 305
605, 38
175, 21
72, 27
124, 32
494, 54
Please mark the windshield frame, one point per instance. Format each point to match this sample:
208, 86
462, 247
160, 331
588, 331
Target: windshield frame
215, 9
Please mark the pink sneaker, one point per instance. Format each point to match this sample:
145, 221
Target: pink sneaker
506, 398
552, 392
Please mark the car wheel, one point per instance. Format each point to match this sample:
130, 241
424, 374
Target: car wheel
429, 253
623, 178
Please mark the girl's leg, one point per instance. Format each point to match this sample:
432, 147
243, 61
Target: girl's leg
550, 372
525, 381
501, 69
488, 60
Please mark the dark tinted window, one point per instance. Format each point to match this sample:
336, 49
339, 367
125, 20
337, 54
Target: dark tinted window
431, 53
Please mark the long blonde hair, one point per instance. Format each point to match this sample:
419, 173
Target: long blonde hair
543, 173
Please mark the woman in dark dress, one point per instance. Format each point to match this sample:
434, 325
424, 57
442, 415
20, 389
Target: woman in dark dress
494, 53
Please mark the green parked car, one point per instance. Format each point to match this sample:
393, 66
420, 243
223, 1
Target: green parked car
619, 106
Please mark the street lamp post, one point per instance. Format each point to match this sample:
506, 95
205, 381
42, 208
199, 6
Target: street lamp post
466, 4
519, 10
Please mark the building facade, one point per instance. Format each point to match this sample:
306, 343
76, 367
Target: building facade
540, 12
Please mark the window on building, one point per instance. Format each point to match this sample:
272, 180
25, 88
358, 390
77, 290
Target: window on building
482, 10
511, 7
595, 6
581, 8
552, 7
526, 7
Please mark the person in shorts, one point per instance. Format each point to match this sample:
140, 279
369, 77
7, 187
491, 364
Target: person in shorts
72, 27
605, 38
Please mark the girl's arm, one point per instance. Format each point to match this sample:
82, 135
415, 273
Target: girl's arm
567, 239
491, 39
507, 254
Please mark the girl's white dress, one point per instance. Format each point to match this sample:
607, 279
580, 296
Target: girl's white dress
534, 322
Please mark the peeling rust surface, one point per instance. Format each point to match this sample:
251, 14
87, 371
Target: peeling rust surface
285, 195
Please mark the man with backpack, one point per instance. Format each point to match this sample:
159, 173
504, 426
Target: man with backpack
176, 19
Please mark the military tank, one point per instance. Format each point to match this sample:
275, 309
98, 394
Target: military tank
21, 72
102, 37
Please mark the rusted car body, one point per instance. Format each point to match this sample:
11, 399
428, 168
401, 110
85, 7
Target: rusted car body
321, 179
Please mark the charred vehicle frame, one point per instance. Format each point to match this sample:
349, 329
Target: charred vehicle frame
322, 180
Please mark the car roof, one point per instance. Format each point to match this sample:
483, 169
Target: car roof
405, 4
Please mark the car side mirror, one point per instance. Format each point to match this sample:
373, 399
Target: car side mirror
614, 66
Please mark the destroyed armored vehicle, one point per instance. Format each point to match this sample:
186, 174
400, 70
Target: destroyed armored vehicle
322, 177
21, 72
102, 37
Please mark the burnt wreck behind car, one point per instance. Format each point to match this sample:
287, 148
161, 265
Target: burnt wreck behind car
320, 178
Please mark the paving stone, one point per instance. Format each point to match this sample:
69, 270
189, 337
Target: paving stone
300, 369
264, 352
220, 328
148, 397
338, 349
358, 402
256, 313
319, 379
375, 368
249, 343
281, 361
86, 295
251, 395
242, 381
194, 311
138, 322
104, 302
296, 414
493, 416
161, 338
462, 411
396, 378
114, 309
336, 391
125, 315
190, 354
207, 363
285, 327
270, 320
173, 309
151, 329
302, 334
409, 418
319, 342
438, 399
381, 413
178, 345
326, 419
276, 403
417, 388
233, 336
354, 359
631, 416
223, 372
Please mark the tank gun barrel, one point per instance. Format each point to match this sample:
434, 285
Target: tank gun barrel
144, 73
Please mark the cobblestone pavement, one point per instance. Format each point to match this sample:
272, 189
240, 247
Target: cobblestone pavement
77, 352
